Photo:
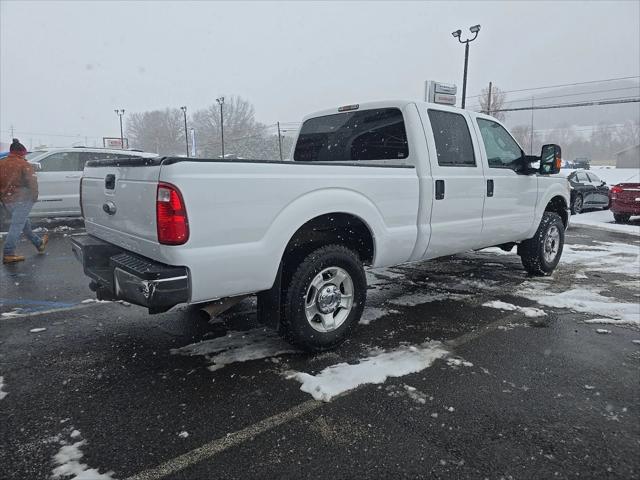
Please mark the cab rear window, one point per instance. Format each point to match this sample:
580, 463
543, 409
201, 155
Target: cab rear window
377, 134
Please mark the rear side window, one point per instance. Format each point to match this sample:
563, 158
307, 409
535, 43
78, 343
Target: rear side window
364, 135
453, 140
61, 162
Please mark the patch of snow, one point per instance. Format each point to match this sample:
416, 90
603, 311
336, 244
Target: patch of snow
637, 342
2, 392
602, 330
238, 346
528, 311
418, 298
37, 330
584, 301
458, 362
183, 434
94, 300
603, 220
613, 257
13, 313
374, 369
75, 434
373, 313
414, 394
68, 465
497, 251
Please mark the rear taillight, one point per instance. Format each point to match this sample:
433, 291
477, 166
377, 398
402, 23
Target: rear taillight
81, 207
171, 215
616, 189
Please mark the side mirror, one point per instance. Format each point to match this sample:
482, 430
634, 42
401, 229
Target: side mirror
550, 159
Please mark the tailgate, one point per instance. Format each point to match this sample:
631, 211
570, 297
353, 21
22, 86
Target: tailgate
630, 193
119, 203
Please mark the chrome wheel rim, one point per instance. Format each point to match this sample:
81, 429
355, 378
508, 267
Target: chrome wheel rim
551, 244
329, 299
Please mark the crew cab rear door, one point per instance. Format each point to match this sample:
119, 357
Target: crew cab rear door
458, 182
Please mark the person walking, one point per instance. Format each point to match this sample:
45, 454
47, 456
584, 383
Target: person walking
18, 192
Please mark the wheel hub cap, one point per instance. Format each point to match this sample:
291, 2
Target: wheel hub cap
552, 244
328, 299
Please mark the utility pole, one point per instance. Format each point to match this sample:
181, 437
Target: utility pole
186, 133
12, 133
221, 103
489, 99
120, 113
531, 135
475, 29
279, 141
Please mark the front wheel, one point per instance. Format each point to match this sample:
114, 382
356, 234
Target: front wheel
621, 217
540, 255
324, 298
577, 205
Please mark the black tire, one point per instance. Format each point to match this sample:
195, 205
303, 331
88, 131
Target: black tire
577, 205
294, 325
621, 217
532, 251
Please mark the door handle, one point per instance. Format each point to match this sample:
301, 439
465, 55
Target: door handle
73, 176
439, 189
489, 188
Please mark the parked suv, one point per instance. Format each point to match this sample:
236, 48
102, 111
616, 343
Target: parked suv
59, 171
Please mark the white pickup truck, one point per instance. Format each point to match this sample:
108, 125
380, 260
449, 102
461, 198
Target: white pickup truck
375, 184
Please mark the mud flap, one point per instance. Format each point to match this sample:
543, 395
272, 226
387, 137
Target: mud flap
270, 303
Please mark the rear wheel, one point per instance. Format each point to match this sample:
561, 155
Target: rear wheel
540, 255
621, 217
577, 205
324, 298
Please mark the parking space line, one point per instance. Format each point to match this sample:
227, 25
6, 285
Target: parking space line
214, 447
52, 310
211, 449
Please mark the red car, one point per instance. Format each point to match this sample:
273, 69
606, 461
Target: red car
624, 201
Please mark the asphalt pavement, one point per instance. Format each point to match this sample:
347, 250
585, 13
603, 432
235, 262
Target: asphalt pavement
517, 396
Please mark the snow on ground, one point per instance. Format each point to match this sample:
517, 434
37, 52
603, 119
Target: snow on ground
68, 465
584, 301
528, 311
342, 377
418, 298
372, 313
37, 330
621, 258
2, 392
611, 175
238, 347
603, 220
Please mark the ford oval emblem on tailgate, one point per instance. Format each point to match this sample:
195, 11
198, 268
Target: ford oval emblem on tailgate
109, 207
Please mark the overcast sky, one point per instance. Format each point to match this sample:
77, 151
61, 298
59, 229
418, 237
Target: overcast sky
65, 66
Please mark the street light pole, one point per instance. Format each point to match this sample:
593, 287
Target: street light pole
186, 133
475, 29
221, 103
280, 141
120, 113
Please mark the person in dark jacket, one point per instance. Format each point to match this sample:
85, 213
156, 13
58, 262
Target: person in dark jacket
18, 192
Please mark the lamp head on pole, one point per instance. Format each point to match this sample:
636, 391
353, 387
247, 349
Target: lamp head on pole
220, 100
474, 29
457, 33
184, 109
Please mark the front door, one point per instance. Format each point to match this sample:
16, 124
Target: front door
458, 184
58, 184
511, 194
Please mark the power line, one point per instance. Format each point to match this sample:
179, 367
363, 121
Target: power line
573, 94
609, 101
563, 85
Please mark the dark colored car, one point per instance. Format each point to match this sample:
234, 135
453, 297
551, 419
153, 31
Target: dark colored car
625, 201
582, 162
587, 191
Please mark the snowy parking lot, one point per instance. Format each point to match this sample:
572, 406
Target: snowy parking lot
461, 367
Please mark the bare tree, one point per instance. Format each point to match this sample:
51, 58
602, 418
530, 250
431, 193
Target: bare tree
159, 131
243, 135
497, 102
